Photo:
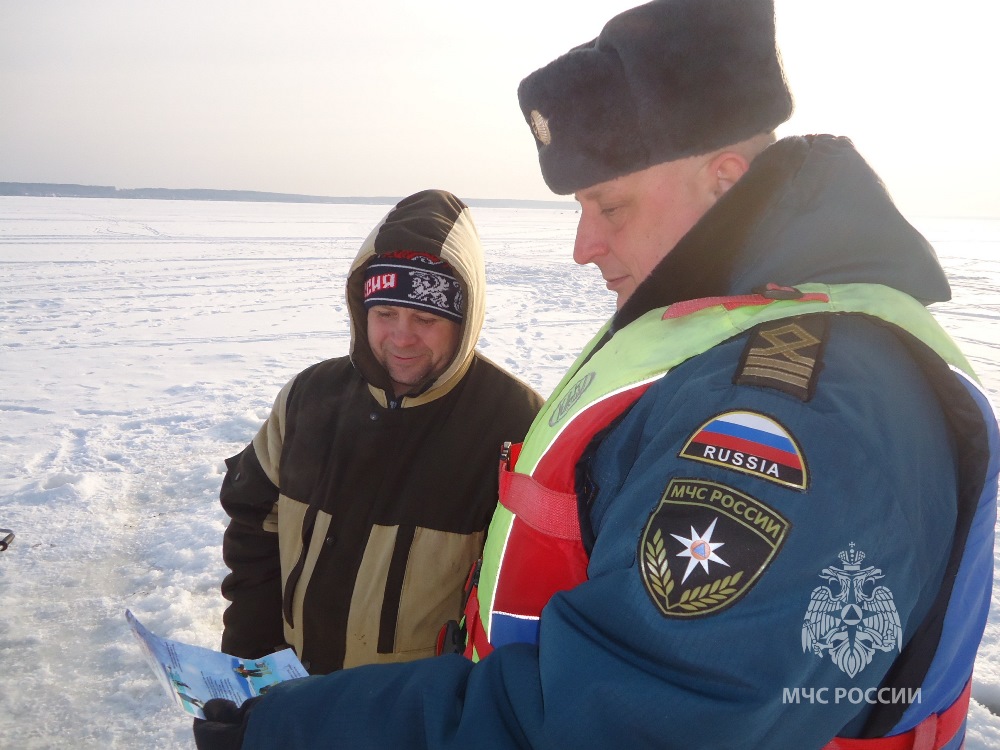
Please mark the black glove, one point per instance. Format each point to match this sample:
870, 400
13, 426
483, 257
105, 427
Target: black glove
223, 725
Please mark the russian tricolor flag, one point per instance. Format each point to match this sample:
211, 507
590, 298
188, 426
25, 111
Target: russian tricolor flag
749, 442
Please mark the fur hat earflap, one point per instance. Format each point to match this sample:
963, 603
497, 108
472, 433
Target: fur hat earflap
663, 81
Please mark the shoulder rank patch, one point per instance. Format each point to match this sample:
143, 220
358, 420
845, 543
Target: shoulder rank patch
749, 442
785, 355
705, 546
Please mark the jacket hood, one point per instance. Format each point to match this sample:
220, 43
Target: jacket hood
809, 209
438, 223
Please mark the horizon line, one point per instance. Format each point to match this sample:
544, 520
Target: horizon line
79, 190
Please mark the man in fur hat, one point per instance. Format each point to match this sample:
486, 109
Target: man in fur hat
758, 511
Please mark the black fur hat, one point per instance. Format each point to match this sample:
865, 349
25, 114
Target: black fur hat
663, 81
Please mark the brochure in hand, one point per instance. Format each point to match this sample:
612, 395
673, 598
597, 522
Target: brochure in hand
192, 675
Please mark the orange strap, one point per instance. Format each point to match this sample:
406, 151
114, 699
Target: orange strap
551, 512
477, 641
933, 733
772, 293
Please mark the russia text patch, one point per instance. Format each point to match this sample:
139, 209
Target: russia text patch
705, 546
751, 443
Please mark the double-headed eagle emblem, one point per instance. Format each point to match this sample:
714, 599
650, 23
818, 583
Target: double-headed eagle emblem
854, 619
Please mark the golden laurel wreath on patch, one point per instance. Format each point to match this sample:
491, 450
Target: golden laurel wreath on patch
656, 567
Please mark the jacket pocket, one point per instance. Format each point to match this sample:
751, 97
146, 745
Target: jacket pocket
411, 582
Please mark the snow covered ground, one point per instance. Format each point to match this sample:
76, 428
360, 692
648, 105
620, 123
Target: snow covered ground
141, 343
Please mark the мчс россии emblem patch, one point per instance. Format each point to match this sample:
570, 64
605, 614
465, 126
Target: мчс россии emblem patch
705, 546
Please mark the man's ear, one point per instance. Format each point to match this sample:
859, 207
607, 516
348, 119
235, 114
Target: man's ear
725, 169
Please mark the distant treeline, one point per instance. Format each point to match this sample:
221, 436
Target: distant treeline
62, 190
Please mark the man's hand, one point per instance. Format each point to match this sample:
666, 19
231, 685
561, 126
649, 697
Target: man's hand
223, 725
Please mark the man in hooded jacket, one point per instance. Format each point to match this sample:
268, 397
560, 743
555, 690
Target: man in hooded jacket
361, 504
758, 511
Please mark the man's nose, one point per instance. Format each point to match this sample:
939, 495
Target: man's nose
404, 331
590, 240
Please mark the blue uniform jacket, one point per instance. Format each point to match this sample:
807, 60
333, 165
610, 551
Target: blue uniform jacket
793, 650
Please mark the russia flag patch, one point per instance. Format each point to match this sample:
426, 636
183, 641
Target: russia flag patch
751, 443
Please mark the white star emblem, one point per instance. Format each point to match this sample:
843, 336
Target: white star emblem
701, 549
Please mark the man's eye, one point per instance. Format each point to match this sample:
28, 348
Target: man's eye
610, 211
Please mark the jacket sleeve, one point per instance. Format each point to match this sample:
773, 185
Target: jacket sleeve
614, 668
253, 622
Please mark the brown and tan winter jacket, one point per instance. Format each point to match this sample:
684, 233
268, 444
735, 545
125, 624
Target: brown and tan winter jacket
355, 518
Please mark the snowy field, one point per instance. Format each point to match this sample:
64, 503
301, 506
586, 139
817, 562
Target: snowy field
141, 343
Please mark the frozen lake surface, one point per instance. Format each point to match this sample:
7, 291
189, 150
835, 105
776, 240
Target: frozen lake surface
141, 343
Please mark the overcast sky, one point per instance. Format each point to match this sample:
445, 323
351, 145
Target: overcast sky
386, 97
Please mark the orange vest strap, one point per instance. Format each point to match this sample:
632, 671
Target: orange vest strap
772, 293
546, 510
933, 733
477, 640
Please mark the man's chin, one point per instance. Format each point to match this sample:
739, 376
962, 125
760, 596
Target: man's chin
622, 293
409, 385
